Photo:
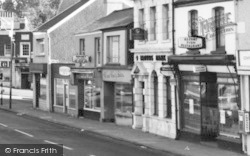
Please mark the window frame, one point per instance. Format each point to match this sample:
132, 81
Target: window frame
193, 23
153, 23
98, 51
110, 55
22, 50
219, 36
165, 22
82, 46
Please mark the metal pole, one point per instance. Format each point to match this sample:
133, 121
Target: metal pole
1, 93
11, 60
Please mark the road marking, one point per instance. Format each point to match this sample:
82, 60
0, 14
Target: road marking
24, 133
54, 143
3, 125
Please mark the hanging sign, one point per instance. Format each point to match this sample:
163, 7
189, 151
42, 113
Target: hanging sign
138, 34
191, 42
64, 71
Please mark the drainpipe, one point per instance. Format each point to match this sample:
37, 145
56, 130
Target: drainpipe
173, 28
49, 73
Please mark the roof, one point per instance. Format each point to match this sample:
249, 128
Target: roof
196, 2
61, 16
118, 18
65, 4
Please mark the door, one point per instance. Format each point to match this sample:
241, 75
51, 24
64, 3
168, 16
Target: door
37, 83
209, 106
66, 97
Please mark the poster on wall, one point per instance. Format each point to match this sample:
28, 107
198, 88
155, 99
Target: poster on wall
191, 106
222, 116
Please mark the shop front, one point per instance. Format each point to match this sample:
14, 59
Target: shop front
64, 92
208, 99
118, 96
88, 83
40, 85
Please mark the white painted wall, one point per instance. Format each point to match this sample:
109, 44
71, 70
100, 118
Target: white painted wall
204, 11
159, 43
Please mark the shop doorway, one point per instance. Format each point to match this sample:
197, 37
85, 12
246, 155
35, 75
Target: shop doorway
65, 98
200, 106
25, 84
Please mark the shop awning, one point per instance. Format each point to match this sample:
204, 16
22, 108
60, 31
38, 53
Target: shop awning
202, 59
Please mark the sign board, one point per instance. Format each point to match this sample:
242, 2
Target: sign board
138, 34
198, 69
246, 117
85, 76
64, 71
117, 75
81, 59
244, 58
5, 64
191, 42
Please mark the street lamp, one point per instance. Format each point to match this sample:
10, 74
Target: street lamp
11, 34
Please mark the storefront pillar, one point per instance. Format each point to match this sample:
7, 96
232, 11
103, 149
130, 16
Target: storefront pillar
138, 104
108, 103
162, 96
146, 116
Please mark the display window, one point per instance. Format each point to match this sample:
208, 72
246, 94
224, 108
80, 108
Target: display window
123, 99
92, 96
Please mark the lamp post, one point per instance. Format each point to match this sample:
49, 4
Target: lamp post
11, 34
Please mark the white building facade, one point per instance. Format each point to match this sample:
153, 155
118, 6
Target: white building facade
154, 94
204, 62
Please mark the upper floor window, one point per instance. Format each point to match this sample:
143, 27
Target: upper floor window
165, 22
40, 45
113, 49
141, 19
7, 49
24, 49
82, 47
193, 23
155, 84
219, 33
152, 23
98, 51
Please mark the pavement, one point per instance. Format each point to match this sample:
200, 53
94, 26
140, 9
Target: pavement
137, 137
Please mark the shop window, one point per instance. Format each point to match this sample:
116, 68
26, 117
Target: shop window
123, 99
169, 101
98, 51
155, 85
43, 91
228, 107
219, 28
193, 23
113, 49
72, 97
82, 47
59, 84
165, 22
92, 96
152, 23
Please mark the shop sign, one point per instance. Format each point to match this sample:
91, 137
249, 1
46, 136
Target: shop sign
85, 76
198, 69
5, 64
168, 68
244, 58
138, 34
191, 42
81, 59
64, 71
147, 57
117, 75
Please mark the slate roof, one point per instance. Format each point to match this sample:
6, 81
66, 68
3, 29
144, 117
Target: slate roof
65, 4
197, 2
119, 18
61, 16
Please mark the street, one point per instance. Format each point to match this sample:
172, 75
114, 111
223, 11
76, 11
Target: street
16, 129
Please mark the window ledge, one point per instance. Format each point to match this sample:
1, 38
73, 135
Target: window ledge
166, 41
153, 42
40, 55
93, 110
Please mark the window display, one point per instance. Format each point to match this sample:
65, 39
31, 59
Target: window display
228, 106
92, 95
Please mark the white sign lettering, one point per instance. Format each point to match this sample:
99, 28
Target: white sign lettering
64, 71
